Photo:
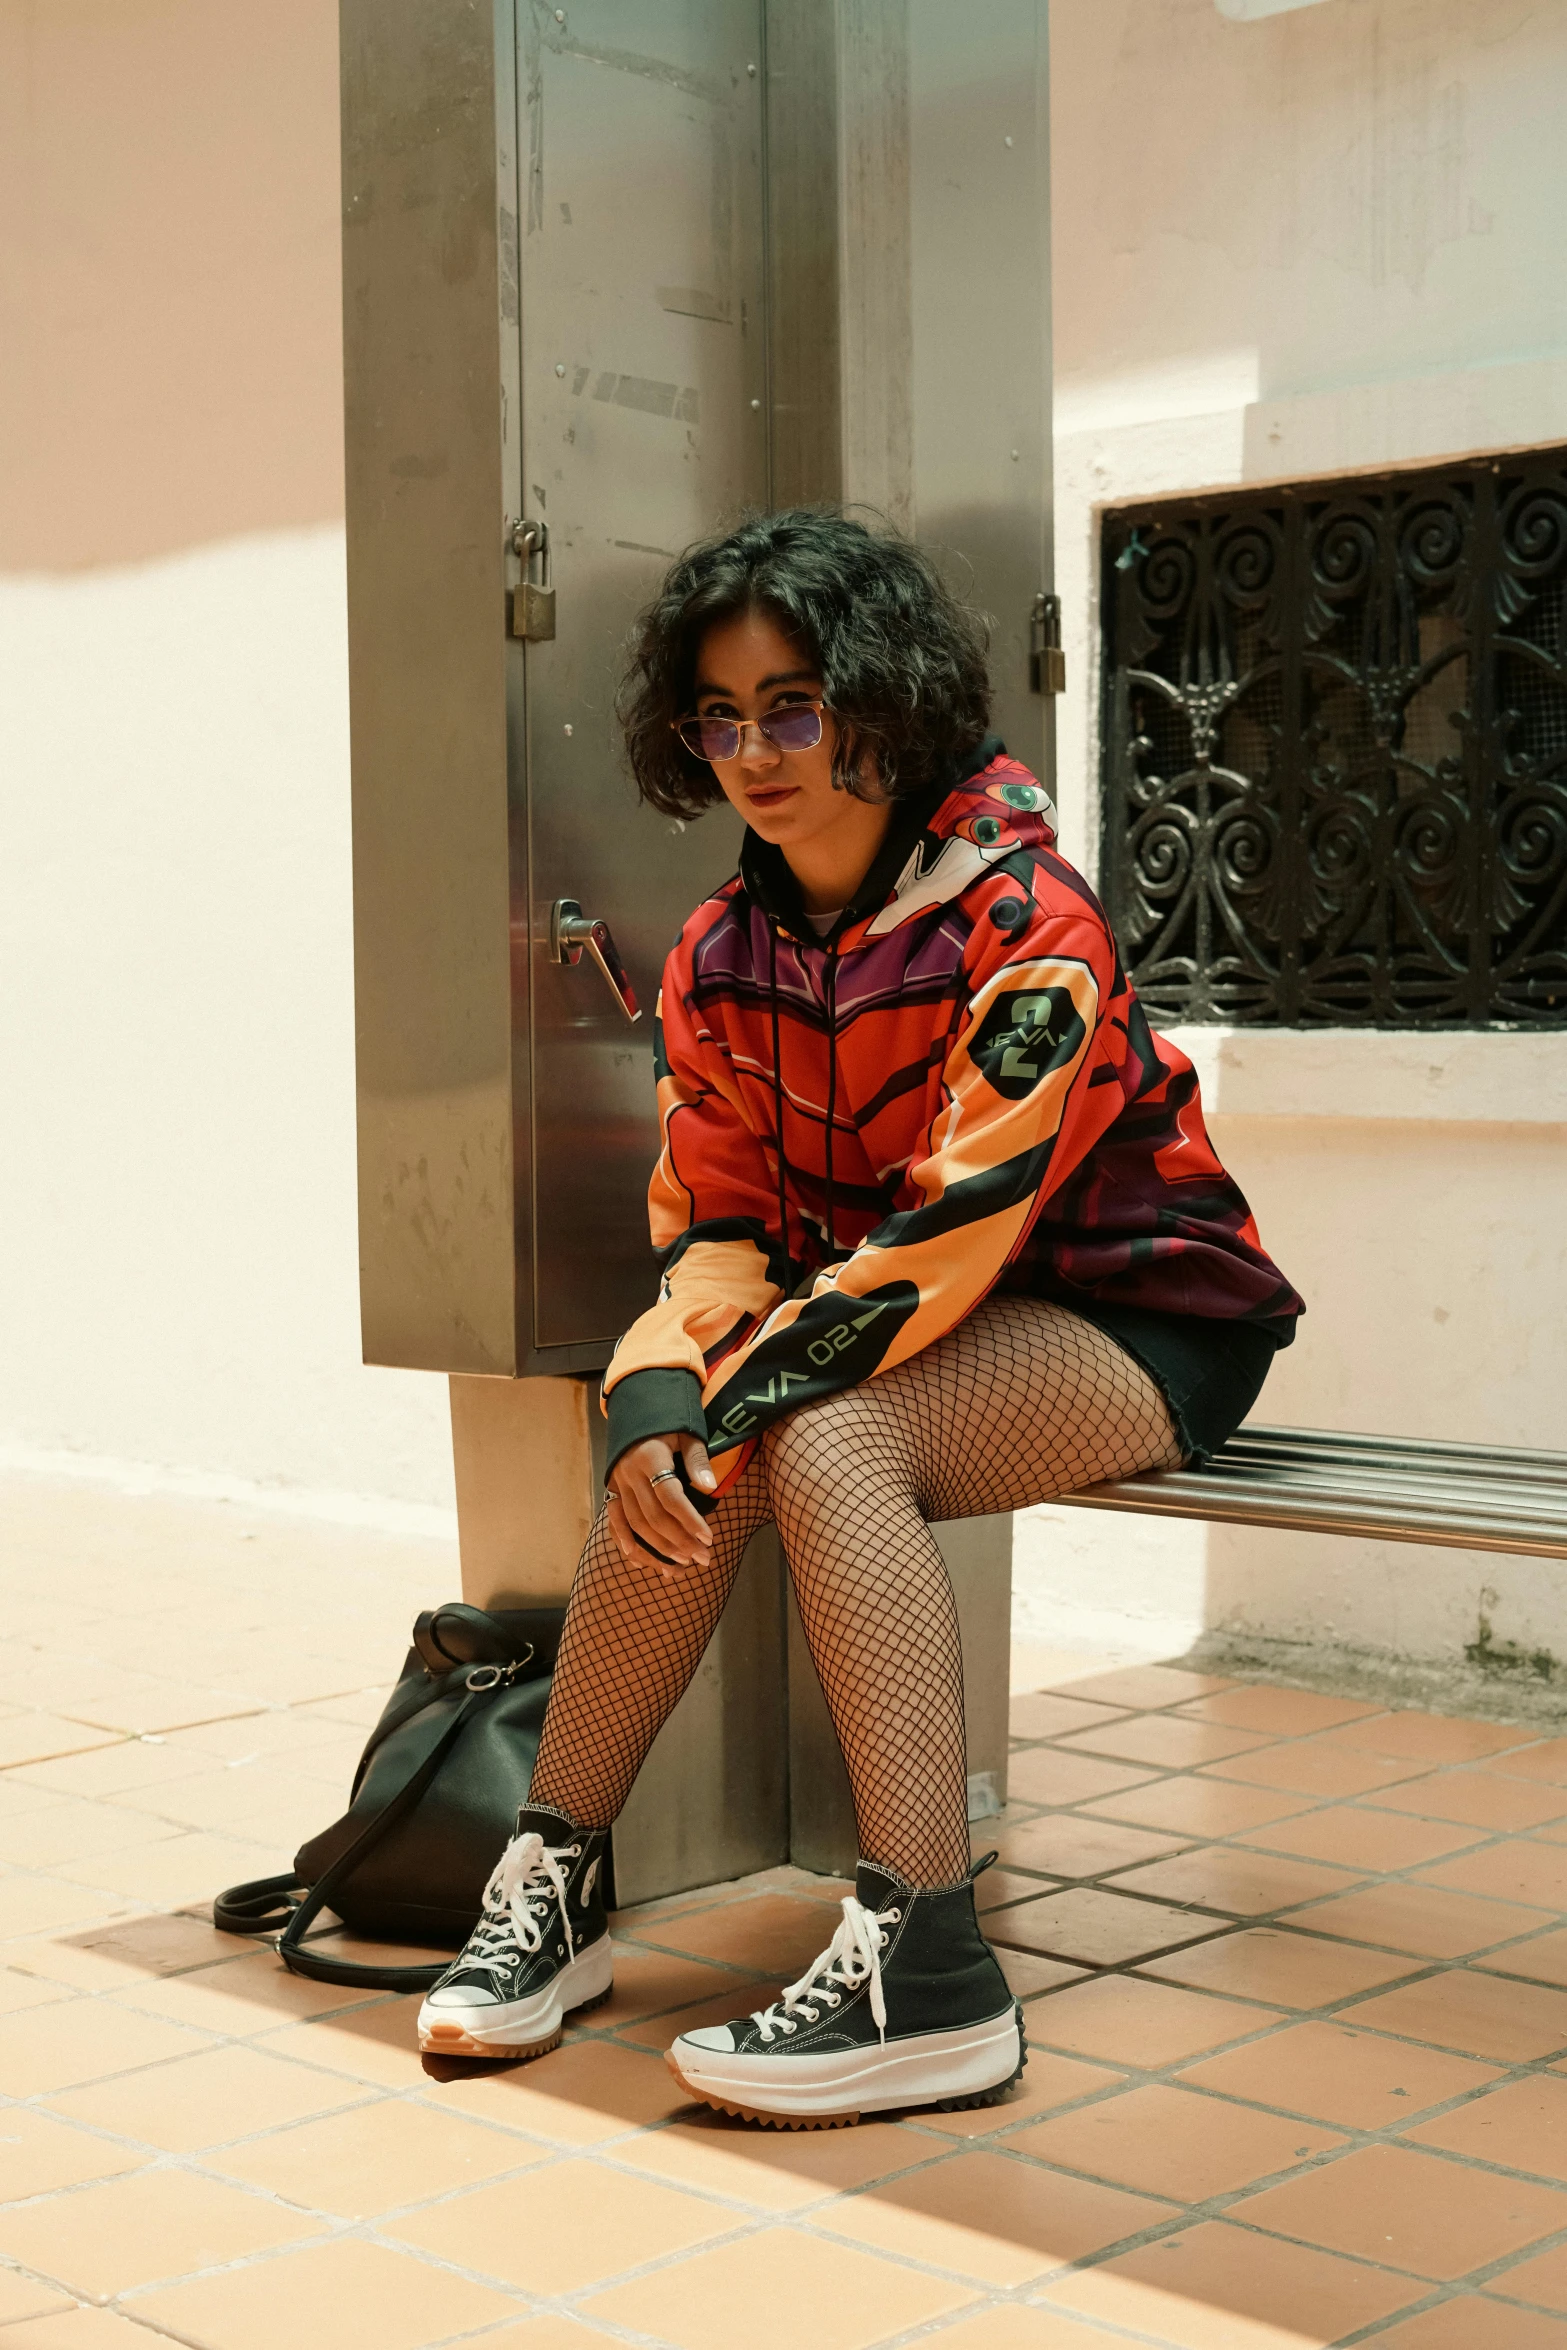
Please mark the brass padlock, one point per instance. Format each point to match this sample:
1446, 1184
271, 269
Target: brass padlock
1046, 660
533, 612
532, 600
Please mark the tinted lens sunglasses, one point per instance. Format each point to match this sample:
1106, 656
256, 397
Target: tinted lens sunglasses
799, 728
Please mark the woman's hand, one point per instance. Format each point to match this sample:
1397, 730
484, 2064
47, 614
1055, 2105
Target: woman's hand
649, 1510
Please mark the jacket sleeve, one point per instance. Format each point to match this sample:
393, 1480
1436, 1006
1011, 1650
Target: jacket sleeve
1027, 1090
713, 1194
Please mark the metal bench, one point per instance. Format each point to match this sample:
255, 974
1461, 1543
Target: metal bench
1408, 1489
748, 1769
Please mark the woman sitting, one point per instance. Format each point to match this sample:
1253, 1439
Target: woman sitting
942, 1233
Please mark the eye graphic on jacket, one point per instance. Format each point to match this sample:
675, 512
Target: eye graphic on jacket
1023, 1036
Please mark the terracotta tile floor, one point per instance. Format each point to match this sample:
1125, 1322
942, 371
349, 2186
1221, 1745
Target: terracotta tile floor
1294, 1971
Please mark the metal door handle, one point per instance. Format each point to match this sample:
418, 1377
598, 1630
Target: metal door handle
571, 930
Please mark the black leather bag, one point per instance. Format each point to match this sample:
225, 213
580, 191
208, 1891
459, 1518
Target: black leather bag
434, 1800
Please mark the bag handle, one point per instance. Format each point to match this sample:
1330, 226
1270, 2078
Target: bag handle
480, 1637
256, 1907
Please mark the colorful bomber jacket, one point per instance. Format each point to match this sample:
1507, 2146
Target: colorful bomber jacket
955, 1091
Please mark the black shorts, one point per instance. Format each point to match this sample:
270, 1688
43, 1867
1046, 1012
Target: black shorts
1209, 1371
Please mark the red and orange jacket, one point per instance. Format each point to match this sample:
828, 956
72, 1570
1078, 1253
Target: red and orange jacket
956, 1090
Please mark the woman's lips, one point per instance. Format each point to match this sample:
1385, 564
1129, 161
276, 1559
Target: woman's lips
771, 795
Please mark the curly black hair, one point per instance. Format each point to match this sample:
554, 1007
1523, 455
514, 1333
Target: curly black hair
902, 661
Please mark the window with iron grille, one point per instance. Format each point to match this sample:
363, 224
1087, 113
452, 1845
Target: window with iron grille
1335, 758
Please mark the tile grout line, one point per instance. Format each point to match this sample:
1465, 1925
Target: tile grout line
1286, 1915
1313, 1804
1221, 2203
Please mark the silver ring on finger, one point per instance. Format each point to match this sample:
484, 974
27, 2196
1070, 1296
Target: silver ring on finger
608, 1496
664, 1476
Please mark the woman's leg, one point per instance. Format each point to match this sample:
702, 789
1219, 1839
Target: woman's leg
908, 2005
633, 1638
631, 1644
1020, 1402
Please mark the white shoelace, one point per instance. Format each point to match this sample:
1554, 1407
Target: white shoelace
851, 1959
512, 1903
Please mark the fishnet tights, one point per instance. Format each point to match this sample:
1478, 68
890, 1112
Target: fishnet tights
1020, 1402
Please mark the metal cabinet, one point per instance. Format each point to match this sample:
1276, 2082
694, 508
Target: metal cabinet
643, 424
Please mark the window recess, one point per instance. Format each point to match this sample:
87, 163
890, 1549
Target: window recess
1335, 750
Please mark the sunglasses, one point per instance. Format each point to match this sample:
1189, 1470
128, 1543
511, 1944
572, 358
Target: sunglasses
799, 728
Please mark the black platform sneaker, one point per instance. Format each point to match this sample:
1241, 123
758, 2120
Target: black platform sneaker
907, 2006
539, 1953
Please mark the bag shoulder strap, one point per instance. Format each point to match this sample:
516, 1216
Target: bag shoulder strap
258, 1906
261, 1907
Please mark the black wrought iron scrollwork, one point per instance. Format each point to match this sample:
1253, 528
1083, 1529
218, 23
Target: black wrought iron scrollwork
1336, 750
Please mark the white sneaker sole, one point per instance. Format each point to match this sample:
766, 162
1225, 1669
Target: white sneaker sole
527, 2027
951, 2069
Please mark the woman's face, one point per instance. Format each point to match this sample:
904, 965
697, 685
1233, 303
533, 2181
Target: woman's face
748, 668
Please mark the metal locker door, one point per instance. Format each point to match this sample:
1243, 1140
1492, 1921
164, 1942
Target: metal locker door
644, 426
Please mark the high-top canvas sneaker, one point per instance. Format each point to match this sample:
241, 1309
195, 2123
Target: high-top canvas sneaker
540, 1951
906, 2006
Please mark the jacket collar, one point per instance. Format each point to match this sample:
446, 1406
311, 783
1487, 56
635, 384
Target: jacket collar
768, 881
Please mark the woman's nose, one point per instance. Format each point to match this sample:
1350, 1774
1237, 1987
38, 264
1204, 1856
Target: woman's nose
756, 750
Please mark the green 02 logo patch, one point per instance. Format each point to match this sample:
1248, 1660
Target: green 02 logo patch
1025, 1035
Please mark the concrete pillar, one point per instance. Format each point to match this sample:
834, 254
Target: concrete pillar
527, 1485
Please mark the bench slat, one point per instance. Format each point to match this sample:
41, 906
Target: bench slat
1504, 1464
1462, 1496
1523, 1499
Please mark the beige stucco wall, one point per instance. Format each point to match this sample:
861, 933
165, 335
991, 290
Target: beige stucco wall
176, 1019
1306, 245
170, 335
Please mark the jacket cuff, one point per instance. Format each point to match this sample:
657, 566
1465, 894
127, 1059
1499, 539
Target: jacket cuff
653, 1403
